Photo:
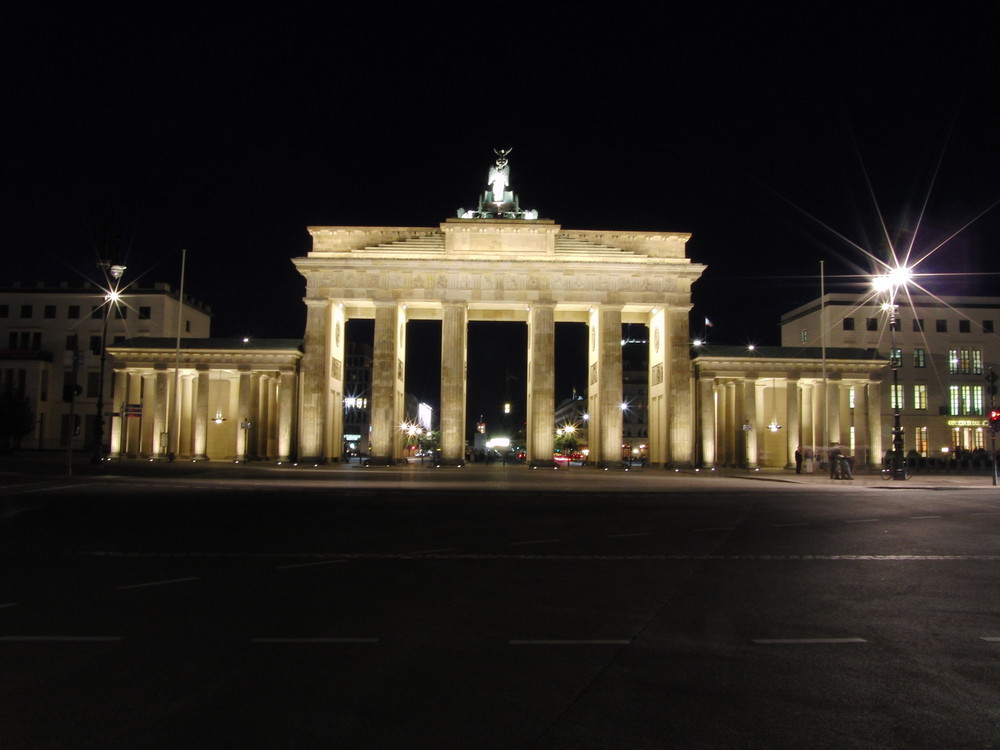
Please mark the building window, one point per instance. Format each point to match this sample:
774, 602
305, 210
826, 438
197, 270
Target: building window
187, 326
965, 400
50, 311
5, 312
97, 312
920, 441
71, 343
93, 384
871, 324
965, 362
73, 312
920, 396
896, 357
896, 392
919, 358
26, 311
942, 326
145, 313
987, 326
918, 325
964, 326
850, 397
121, 312
804, 336
95, 344
848, 324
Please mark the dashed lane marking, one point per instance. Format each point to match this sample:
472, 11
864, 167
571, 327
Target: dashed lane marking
159, 583
571, 642
60, 638
312, 641
804, 641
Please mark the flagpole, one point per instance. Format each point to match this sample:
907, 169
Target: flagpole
173, 426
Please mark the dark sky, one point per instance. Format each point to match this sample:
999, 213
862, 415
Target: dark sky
777, 135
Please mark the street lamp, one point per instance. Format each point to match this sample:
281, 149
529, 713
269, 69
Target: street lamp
111, 299
890, 284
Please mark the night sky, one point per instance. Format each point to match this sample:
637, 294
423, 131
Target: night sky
779, 136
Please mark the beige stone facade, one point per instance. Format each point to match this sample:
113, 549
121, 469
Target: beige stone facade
530, 271
755, 408
229, 400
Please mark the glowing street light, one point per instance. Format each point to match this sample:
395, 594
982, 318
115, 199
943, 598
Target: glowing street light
889, 284
112, 298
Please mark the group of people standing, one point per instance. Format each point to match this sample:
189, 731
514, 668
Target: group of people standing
838, 464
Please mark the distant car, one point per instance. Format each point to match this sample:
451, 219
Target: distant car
560, 459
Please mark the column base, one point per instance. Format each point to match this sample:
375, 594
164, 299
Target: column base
448, 463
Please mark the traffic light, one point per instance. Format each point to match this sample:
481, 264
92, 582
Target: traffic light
995, 419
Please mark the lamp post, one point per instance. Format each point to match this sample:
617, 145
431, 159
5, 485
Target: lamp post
890, 284
111, 300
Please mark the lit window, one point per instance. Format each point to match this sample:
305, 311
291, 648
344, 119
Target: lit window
896, 357
919, 358
920, 397
804, 337
976, 361
920, 438
897, 396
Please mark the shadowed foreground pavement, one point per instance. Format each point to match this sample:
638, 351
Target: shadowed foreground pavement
212, 605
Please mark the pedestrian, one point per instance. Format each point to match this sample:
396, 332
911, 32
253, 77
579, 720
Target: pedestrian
798, 460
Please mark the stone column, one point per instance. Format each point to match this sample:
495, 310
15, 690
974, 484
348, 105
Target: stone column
679, 404
118, 422
315, 378
158, 446
454, 362
793, 435
200, 437
270, 443
658, 407
706, 417
844, 406
875, 422
388, 364
734, 435
187, 417
286, 415
541, 384
808, 417
605, 391
750, 417
335, 407
243, 414
834, 433
148, 401
861, 453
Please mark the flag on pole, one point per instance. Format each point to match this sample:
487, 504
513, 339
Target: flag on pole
708, 323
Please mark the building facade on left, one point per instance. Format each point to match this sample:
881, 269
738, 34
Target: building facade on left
53, 335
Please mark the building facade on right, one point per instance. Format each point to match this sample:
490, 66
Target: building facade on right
942, 348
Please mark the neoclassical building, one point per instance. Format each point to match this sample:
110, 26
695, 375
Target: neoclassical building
497, 263
718, 406
757, 406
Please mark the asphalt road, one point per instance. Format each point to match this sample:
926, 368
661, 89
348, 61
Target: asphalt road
495, 607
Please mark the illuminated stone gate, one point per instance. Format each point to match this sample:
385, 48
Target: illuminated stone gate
497, 263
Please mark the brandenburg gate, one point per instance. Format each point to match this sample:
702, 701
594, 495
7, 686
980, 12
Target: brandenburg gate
497, 263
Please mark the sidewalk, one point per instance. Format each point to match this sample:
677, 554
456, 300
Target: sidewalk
868, 478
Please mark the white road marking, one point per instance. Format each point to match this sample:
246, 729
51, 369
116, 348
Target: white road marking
432, 551
571, 642
60, 638
159, 583
805, 641
532, 541
314, 640
864, 520
622, 536
787, 525
990, 639
309, 564
716, 528
8, 604
922, 518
